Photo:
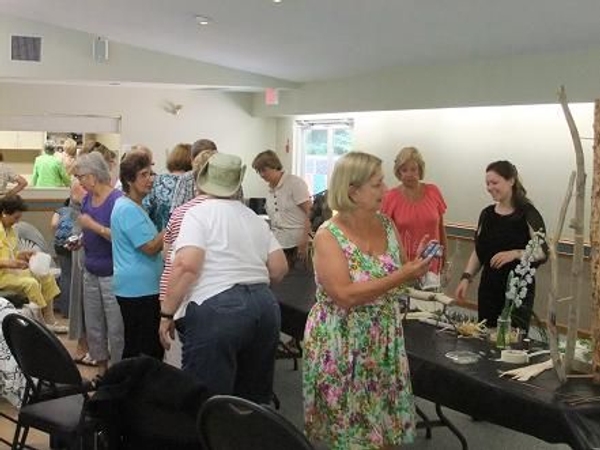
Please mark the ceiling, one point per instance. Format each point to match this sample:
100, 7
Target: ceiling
312, 40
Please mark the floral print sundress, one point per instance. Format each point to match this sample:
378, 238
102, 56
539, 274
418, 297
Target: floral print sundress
356, 380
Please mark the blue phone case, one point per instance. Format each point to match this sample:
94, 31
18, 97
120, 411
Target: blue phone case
432, 249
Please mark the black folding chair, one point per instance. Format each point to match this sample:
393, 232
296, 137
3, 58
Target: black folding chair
232, 423
55, 393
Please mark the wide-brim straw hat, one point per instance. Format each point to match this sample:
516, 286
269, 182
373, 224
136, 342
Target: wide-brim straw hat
221, 176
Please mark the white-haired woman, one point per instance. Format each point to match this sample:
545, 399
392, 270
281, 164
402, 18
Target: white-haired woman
218, 291
103, 320
357, 391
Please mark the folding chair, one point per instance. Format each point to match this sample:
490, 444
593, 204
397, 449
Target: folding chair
55, 395
232, 423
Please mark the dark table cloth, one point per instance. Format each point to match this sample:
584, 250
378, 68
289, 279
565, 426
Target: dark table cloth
541, 407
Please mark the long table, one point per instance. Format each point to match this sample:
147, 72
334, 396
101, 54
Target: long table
542, 408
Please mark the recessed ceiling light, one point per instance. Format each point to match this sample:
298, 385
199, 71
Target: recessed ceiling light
277, 1
203, 20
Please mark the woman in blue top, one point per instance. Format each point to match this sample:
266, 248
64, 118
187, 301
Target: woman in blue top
137, 258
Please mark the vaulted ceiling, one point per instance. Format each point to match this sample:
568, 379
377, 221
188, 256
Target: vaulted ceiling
311, 40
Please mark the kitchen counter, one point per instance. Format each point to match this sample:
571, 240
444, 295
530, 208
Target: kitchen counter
44, 194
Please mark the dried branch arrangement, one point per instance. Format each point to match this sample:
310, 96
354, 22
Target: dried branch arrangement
577, 223
595, 244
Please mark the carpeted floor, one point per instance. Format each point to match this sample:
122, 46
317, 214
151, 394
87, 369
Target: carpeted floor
479, 435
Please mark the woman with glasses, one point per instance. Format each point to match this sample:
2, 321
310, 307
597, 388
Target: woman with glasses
138, 261
103, 321
76, 320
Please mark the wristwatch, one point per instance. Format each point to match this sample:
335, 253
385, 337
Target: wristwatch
466, 276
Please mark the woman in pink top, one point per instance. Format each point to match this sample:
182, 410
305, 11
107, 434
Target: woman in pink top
416, 208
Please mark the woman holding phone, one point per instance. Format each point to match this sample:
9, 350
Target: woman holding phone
357, 391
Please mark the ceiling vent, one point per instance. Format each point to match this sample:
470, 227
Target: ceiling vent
26, 48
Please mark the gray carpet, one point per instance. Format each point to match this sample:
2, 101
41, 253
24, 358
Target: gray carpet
479, 435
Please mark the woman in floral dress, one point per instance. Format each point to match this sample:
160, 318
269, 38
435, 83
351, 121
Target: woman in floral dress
357, 392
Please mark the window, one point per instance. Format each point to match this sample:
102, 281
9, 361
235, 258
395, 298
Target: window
321, 143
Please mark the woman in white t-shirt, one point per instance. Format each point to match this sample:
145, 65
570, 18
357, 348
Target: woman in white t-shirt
288, 205
218, 291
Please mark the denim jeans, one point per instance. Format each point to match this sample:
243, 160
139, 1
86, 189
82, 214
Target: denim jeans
230, 340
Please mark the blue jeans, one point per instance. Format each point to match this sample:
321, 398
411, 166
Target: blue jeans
230, 340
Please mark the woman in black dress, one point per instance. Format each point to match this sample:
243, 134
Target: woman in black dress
503, 231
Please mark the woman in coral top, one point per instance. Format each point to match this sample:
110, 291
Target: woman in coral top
416, 208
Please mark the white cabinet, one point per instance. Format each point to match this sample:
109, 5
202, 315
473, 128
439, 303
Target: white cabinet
22, 140
30, 140
8, 140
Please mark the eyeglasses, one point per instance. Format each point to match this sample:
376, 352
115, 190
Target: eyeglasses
80, 176
146, 174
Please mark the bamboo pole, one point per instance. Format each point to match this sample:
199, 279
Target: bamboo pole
595, 243
553, 299
578, 227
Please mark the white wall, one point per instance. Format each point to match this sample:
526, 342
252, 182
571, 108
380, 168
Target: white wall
459, 143
221, 117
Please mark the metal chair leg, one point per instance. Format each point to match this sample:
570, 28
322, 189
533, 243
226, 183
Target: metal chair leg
426, 422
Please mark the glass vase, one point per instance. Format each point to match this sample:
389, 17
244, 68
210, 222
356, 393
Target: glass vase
503, 332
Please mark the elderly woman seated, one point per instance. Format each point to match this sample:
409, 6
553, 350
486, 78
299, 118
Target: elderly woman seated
14, 264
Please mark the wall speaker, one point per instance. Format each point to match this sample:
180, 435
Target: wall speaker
100, 50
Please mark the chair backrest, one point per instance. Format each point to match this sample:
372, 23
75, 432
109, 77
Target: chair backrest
232, 423
38, 352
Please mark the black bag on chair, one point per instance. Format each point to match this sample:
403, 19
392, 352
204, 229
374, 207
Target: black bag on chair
147, 404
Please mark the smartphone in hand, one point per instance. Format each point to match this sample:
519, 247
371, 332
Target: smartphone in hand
433, 248
73, 240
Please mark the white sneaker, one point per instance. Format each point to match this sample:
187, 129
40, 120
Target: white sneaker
57, 328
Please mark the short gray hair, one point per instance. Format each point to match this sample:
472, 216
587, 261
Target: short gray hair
92, 163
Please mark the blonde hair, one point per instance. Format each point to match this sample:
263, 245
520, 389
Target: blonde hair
180, 158
352, 170
95, 146
406, 155
200, 160
70, 147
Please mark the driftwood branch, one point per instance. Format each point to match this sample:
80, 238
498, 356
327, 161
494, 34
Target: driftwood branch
595, 244
577, 224
553, 299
